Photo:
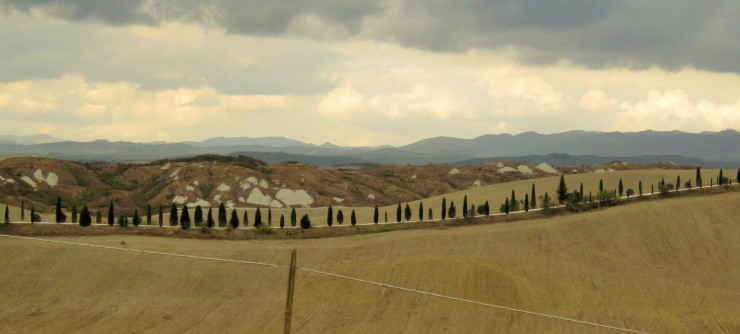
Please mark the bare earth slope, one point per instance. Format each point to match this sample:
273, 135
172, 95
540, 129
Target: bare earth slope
663, 267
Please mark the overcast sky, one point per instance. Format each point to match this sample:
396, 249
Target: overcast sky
367, 72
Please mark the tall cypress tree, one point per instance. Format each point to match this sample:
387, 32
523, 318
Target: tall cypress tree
421, 211
621, 188
430, 214
487, 209
407, 212
98, 218
375, 215
513, 204
23, 211
221, 215
111, 214
532, 199
161, 215
294, 217
269, 216
282, 220
562, 190
353, 218
580, 192
198, 216
209, 218
185, 218
721, 178
59, 215
678, 182
136, 220
601, 185
257, 218
398, 213
465, 206
173, 215
33, 214
699, 182
245, 219
148, 214
234, 220
74, 214
340, 217
506, 206
444, 208
452, 211
526, 201
7, 214
639, 186
329, 216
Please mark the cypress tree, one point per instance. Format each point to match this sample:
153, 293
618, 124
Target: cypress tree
353, 218
98, 218
74, 214
699, 182
245, 219
386, 216
148, 214
234, 220
33, 214
340, 217
136, 220
375, 215
452, 211
678, 182
513, 204
329, 216
161, 215
506, 206
269, 216
305, 222
639, 186
444, 208
198, 216
721, 178
294, 218
601, 185
526, 201
111, 214
465, 206
257, 218
407, 212
621, 188
652, 189
580, 192
421, 211
546, 202
209, 218
430, 214
23, 211
487, 209
7, 214
185, 218
221, 215
173, 215
532, 199
59, 215
562, 190
398, 213
282, 220
123, 220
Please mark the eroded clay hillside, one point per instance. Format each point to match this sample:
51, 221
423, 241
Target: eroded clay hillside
246, 182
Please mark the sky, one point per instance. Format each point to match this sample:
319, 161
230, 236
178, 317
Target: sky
370, 72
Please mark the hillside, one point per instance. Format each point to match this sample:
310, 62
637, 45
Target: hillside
660, 267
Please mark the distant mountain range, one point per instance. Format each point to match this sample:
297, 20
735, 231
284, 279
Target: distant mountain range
711, 149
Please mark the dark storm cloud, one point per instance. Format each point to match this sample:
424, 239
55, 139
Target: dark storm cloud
614, 33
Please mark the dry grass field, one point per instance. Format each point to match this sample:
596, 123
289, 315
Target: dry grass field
670, 266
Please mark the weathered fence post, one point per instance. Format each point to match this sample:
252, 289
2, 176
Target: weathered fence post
289, 300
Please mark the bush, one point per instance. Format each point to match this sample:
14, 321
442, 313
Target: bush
630, 192
305, 222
